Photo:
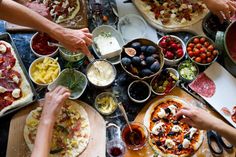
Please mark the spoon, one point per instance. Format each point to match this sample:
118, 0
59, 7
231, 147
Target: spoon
54, 44
125, 115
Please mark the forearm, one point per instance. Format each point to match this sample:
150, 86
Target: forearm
21, 15
43, 138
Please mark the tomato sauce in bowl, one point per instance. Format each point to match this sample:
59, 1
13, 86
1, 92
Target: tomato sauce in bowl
39, 45
231, 41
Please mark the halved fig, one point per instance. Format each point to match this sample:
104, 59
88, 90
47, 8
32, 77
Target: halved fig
130, 51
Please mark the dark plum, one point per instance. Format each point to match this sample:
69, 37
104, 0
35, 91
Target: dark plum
146, 72
155, 66
155, 55
136, 60
143, 48
136, 46
126, 61
150, 60
151, 50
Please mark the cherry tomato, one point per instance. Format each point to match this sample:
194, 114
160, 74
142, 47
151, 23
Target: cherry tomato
198, 59
190, 53
199, 46
210, 48
202, 40
180, 53
215, 52
202, 50
209, 60
163, 43
204, 61
189, 49
208, 53
179, 46
191, 45
206, 44
196, 52
196, 40
203, 56
174, 46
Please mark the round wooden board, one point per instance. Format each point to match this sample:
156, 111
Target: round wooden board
97, 145
203, 151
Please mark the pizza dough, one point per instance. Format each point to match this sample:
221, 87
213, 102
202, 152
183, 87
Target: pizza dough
71, 131
168, 136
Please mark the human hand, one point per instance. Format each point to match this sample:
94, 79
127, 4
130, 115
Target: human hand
53, 102
198, 118
224, 9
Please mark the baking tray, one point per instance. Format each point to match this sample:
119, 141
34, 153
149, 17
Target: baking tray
7, 37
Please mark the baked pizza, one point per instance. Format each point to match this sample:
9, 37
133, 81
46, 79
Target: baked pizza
15, 90
71, 130
172, 13
170, 137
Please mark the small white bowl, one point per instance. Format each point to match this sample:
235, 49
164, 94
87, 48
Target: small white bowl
139, 101
174, 61
38, 61
132, 26
175, 72
37, 54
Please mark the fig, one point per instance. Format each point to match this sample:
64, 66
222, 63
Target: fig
130, 51
136, 46
143, 48
150, 60
155, 66
136, 60
126, 61
146, 72
151, 50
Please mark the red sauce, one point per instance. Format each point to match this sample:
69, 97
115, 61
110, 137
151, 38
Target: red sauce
40, 44
115, 151
230, 41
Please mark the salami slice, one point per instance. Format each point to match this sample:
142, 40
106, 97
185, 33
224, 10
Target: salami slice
203, 85
233, 117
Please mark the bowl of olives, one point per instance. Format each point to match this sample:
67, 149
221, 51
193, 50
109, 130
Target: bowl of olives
142, 59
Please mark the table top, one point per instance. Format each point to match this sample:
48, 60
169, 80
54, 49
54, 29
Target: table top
119, 87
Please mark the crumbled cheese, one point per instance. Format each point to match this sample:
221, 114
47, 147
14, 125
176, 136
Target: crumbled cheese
184, 6
161, 113
162, 12
186, 143
165, 4
3, 48
16, 79
176, 128
173, 109
192, 132
190, 7
174, 10
16, 93
169, 143
183, 20
158, 128
172, 16
2, 89
64, 4
70, 9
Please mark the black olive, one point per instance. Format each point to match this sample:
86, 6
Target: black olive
171, 133
180, 146
187, 136
154, 120
160, 134
166, 120
175, 122
158, 143
167, 110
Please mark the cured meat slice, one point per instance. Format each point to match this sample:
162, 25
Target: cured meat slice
233, 117
203, 85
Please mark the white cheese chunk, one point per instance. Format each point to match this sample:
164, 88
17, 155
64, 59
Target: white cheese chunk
3, 49
169, 143
173, 109
165, 4
16, 79
192, 132
186, 143
16, 93
162, 12
162, 113
2, 89
183, 20
107, 46
158, 128
172, 16
176, 128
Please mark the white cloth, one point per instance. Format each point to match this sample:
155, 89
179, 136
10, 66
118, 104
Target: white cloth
129, 8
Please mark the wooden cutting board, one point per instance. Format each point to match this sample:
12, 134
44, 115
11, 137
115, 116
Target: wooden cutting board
203, 151
97, 145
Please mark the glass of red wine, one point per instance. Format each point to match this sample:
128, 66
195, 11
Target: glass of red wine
116, 148
134, 136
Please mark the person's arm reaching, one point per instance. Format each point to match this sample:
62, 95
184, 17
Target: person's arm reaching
199, 118
51, 107
21, 15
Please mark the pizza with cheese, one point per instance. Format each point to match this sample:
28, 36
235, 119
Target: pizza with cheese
170, 137
15, 90
172, 14
71, 131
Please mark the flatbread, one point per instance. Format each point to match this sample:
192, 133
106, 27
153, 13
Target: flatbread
75, 141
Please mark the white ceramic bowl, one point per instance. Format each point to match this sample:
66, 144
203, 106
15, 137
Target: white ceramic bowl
37, 54
67, 76
174, 61
38, 61
73, 57
132, 26
139, 101
175, 72
106, 28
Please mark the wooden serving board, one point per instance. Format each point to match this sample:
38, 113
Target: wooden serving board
97, 145
203, 151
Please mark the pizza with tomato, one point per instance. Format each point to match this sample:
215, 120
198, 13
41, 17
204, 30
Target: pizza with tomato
15, 90
71, 132
170, 137
172, 14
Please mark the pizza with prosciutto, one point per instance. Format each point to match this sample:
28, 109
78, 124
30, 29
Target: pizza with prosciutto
71, 131
170, 137
172, 14
15, 90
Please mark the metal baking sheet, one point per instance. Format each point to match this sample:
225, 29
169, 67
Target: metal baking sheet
7, 37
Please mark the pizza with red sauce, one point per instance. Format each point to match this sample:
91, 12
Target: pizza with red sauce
14, 88
170, 137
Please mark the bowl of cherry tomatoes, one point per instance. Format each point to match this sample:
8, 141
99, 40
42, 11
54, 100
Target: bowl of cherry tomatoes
201, 50
173, 47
